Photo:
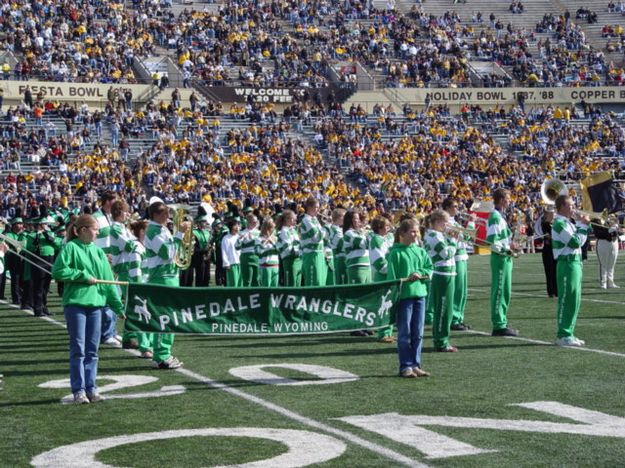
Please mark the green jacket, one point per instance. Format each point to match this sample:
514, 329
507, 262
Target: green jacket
402, 261
75, 265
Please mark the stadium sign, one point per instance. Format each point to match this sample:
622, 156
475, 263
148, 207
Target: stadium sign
260, 311
264, 94
88, 92
492, 96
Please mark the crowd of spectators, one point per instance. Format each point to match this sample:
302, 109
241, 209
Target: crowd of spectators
291, 43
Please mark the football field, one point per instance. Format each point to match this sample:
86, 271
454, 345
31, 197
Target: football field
333, 400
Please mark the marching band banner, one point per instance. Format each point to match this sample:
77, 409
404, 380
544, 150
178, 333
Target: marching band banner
260, 311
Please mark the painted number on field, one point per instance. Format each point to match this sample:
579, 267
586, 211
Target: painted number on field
409, 430
121, 382
326, 375
303, 447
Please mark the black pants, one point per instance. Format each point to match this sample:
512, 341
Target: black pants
14, 265
199, 270
550, 272
40, 286
3, 283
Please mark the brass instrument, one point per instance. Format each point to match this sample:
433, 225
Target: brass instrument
457, 231
183, 256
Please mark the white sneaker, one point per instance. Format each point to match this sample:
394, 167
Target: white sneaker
95, 397
113, 342
603, 286
80, 398
581, 342
118, 337
613, 286
170, 363
568, 341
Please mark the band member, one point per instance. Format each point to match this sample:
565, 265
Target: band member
378, 248
105, 221
312, 238
160, 252
249, 260
80, 264
335, 240
42, 244
499, 237
219, 231
3, 276
442, 251
200, 260
126, 254
607, 252
290, 249
136, 261
450, 205
542, 227
230, 255
568, 238
407, 260
356, 248
267, 251
3, 251
14, 262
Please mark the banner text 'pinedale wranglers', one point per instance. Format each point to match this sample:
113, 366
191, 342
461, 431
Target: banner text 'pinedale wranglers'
260, 311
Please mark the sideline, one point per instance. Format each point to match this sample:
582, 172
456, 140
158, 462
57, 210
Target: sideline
345, 435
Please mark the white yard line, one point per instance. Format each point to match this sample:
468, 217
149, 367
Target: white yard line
345, 435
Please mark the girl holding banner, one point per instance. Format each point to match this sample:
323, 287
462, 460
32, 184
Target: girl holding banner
80, 264
411, 263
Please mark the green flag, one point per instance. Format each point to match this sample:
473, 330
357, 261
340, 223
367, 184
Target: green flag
260, 311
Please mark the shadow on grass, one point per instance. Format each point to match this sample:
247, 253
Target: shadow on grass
35, 362
354, 352
290, 341
37, 348
30, 403
509, 344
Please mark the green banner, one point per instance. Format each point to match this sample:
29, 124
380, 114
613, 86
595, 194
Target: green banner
260, 311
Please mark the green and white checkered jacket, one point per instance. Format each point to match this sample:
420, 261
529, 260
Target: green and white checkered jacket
126, 252
311, 234
378, 248
288, 243
567, 237
246, 242
104, 230
267, 251
356, 248
498, 234
442, 251
160, 250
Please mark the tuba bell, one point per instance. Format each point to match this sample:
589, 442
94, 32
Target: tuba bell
551, 189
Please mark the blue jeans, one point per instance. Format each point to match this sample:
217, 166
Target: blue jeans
83, 327
410, 323
109, 319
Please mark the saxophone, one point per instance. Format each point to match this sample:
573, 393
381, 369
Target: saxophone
184, 254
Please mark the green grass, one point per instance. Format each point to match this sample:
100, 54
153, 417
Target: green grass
483, 380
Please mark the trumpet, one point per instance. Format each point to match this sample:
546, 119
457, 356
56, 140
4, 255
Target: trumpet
184, 254
457, 231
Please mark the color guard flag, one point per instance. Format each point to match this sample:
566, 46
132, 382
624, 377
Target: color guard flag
601, 192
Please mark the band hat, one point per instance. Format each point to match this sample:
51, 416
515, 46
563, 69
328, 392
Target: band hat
155, 200
17, 219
